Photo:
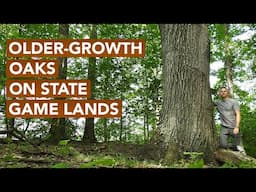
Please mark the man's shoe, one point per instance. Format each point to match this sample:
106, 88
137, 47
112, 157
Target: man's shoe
241, 149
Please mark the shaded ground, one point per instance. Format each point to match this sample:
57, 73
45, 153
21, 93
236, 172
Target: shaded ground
77, 155
110, 155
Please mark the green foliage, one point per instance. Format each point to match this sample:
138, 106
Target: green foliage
218, 127
60, 165
65, 150
247, 127
220, 32
9, 157
195, 159
115, 161
190, 160
134, 80
247, 164
42, 31
196, 164
242, 55
63, 142
137, 81
228, 164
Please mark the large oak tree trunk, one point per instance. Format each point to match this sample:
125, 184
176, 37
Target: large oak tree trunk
186, 120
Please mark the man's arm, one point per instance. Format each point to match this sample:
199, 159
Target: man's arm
238, 119
215, 104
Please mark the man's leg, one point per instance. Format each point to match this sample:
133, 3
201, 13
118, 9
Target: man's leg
238, 143
224, 137
237, 139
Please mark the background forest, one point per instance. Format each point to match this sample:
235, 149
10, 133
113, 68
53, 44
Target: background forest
142, 86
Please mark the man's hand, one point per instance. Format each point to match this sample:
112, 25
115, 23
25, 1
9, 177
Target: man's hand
236, 130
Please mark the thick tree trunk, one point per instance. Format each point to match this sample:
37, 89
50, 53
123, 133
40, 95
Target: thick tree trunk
58, 125
186, 120
89, 135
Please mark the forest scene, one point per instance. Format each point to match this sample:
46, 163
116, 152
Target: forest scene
169, 116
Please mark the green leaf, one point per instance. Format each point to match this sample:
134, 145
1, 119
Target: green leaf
220, 30
99, 163
63, 142
60, 165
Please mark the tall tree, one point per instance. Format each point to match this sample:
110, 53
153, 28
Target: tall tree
89, 134
11, 121
58, 127
228, 59
186, 120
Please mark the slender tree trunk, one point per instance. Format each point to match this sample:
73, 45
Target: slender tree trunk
106, 131
10, 127
89, 134
228, 61
186, 120
122, 98
144, 128
147, 126
58, 125
121, 129
156, 102
125, 135
146, 116
126, 130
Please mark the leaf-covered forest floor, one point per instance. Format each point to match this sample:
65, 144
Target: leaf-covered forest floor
78, 155
73, 155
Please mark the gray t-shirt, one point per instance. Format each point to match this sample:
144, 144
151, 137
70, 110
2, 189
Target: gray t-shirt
227, 110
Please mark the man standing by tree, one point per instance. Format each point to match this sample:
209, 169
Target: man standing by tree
229, 111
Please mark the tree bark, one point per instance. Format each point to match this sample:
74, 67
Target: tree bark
58, 125
106, 131
186, 119
89, 134
121, 129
